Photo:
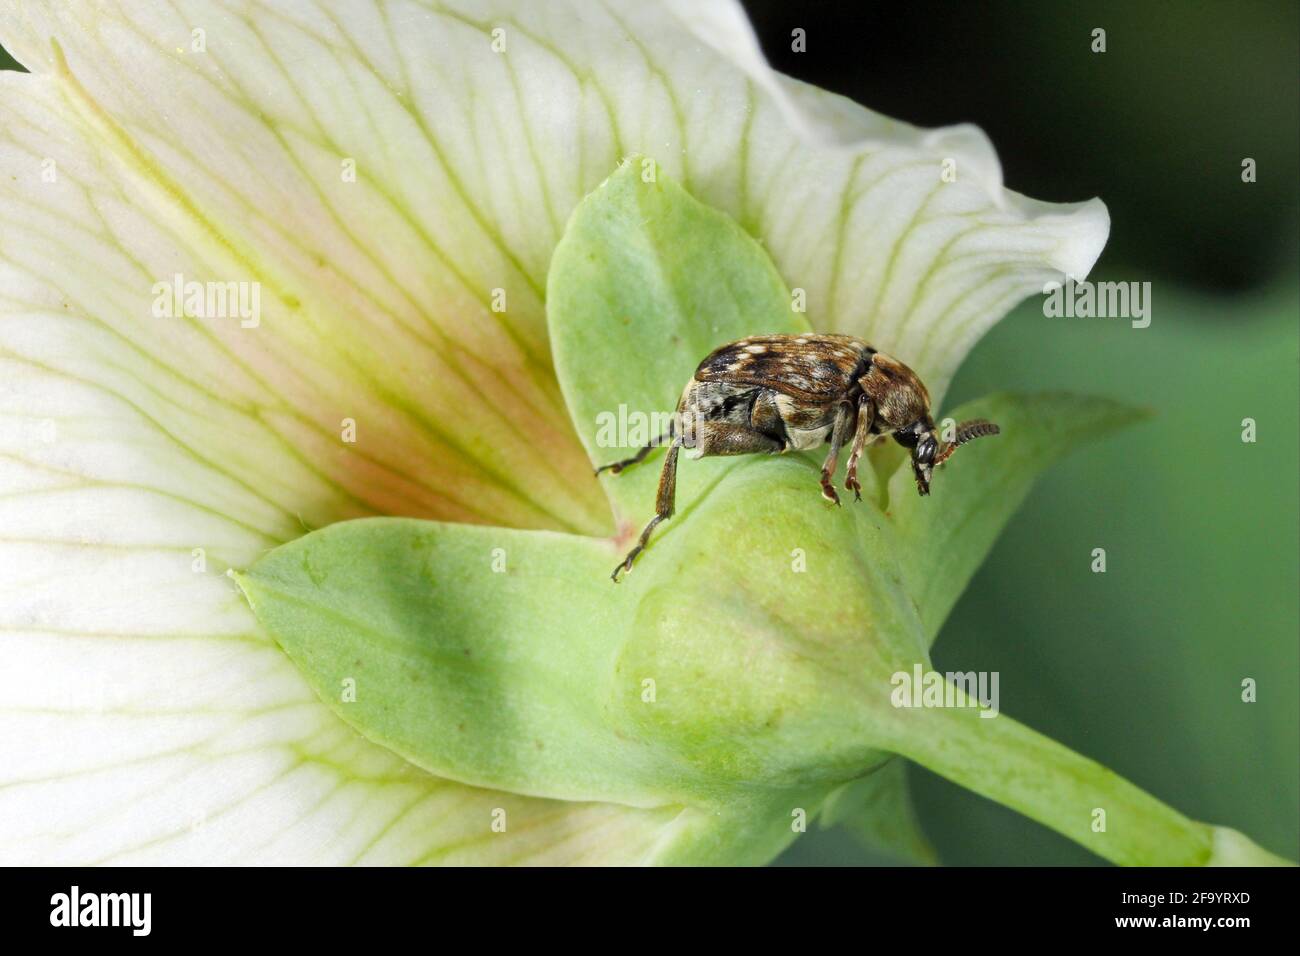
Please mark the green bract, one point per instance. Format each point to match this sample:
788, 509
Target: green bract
744, 669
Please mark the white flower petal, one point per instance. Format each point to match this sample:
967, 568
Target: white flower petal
144, 716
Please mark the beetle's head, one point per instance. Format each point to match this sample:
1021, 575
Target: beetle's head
903, 407
927, 451
918, 436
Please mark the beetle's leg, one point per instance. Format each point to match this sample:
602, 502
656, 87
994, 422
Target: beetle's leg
839, 432
866, 417
618, 466
663, 506
710, 438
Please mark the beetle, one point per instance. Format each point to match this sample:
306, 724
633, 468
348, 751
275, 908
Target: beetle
779, 393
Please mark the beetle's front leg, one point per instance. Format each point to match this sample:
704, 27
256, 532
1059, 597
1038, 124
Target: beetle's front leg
663, 506
866, 418
709, 438
839, 431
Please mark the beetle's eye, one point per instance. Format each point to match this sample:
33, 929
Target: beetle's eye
925, 451
906, 436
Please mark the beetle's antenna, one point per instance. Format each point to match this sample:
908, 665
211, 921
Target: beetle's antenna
966, 431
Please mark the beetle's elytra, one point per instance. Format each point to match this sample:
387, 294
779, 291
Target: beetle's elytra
779, 393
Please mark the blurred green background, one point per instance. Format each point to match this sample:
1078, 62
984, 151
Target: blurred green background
1140, 667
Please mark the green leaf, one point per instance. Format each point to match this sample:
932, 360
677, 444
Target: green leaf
507, 679
647, 281
877, 809
480, 654
945, 537
507, 659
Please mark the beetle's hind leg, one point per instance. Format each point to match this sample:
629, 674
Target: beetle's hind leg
664, 501
617, 466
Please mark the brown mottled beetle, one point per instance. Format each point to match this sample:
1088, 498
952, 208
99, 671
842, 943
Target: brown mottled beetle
778, 393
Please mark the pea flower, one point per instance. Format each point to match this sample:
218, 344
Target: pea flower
266, 269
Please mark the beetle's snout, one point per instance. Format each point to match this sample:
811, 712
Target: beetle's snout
923, 474
923, 461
